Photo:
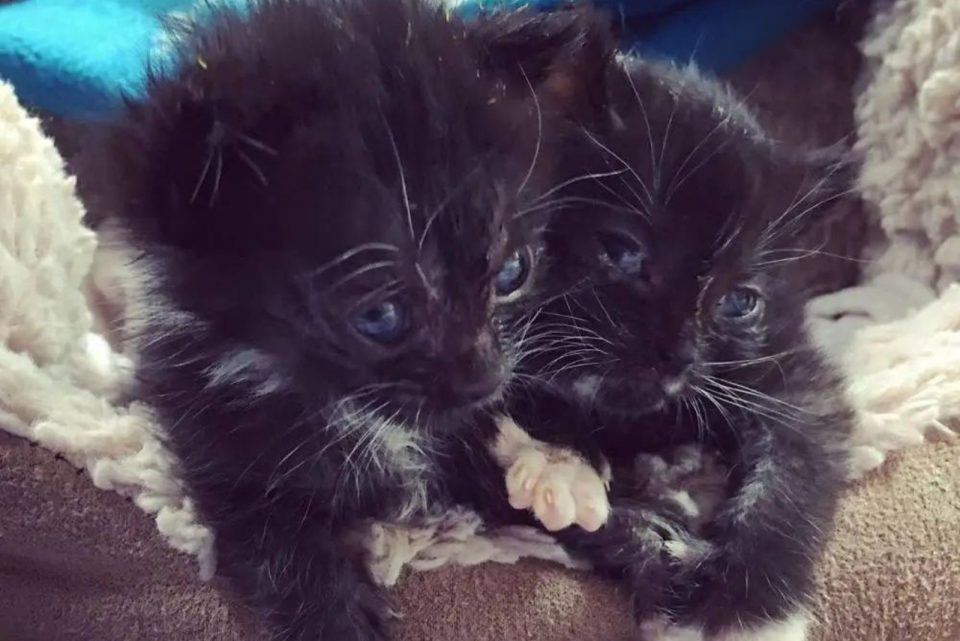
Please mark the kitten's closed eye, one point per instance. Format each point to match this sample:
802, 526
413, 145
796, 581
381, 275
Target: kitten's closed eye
741, 304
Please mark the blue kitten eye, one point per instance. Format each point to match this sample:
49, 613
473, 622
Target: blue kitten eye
513, 274
624, 253
741, 303
385, 322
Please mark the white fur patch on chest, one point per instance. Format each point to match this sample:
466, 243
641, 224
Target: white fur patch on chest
388, 453
404, 457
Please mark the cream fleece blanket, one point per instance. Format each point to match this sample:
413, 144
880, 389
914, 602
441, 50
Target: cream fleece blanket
897, 336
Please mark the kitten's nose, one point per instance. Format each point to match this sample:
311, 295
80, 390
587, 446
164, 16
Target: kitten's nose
475, 376
675, 359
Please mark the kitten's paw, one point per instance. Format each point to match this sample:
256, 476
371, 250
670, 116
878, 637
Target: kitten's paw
557, 485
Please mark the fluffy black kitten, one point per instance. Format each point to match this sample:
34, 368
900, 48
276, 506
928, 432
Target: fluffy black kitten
328, 200
669, 317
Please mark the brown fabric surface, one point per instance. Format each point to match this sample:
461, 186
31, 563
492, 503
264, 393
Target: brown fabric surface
892, 571
80, 564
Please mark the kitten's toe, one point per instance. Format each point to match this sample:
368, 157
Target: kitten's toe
553, 502
590, 495
523, 478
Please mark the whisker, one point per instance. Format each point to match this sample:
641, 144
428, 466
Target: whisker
403, 179
632, 207
252, 165
576, 179
797, 201
646, 120
753, 361
369, 267
671, 188
663, 145
352, 252
387, 290
627, 167
216, 178
203, 177
604, 309
760, 396
755, 407
568, 202
679, 183
536, 151
453, 193
256, 144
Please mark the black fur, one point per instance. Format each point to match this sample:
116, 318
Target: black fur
304, 164
674, 199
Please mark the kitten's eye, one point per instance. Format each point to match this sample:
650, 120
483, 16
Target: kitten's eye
624, 253
513, 274
385, 322
739, 304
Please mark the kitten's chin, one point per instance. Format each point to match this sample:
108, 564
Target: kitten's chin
630, 408
623, 397
440, 411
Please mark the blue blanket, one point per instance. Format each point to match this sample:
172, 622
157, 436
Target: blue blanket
77, 58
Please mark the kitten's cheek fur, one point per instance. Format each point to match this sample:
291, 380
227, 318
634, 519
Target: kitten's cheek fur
555, 483
793, 628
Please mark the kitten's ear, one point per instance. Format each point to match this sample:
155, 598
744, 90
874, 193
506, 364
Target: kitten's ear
160, 169
563, 54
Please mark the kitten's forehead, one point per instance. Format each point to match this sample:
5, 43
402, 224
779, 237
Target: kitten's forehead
432, 239
366, 115
688, 157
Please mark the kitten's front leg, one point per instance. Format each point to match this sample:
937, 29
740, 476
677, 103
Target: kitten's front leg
556, 483
642, 545
757, 579
292, 564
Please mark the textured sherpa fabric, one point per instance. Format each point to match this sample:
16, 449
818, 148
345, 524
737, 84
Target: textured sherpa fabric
903, 321
58, 376
909, 133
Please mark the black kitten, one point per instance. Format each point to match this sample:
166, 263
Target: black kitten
669, 317
328, 199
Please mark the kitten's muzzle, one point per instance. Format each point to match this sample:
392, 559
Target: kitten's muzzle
483, 391
474, 379
457, 393
674, 361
